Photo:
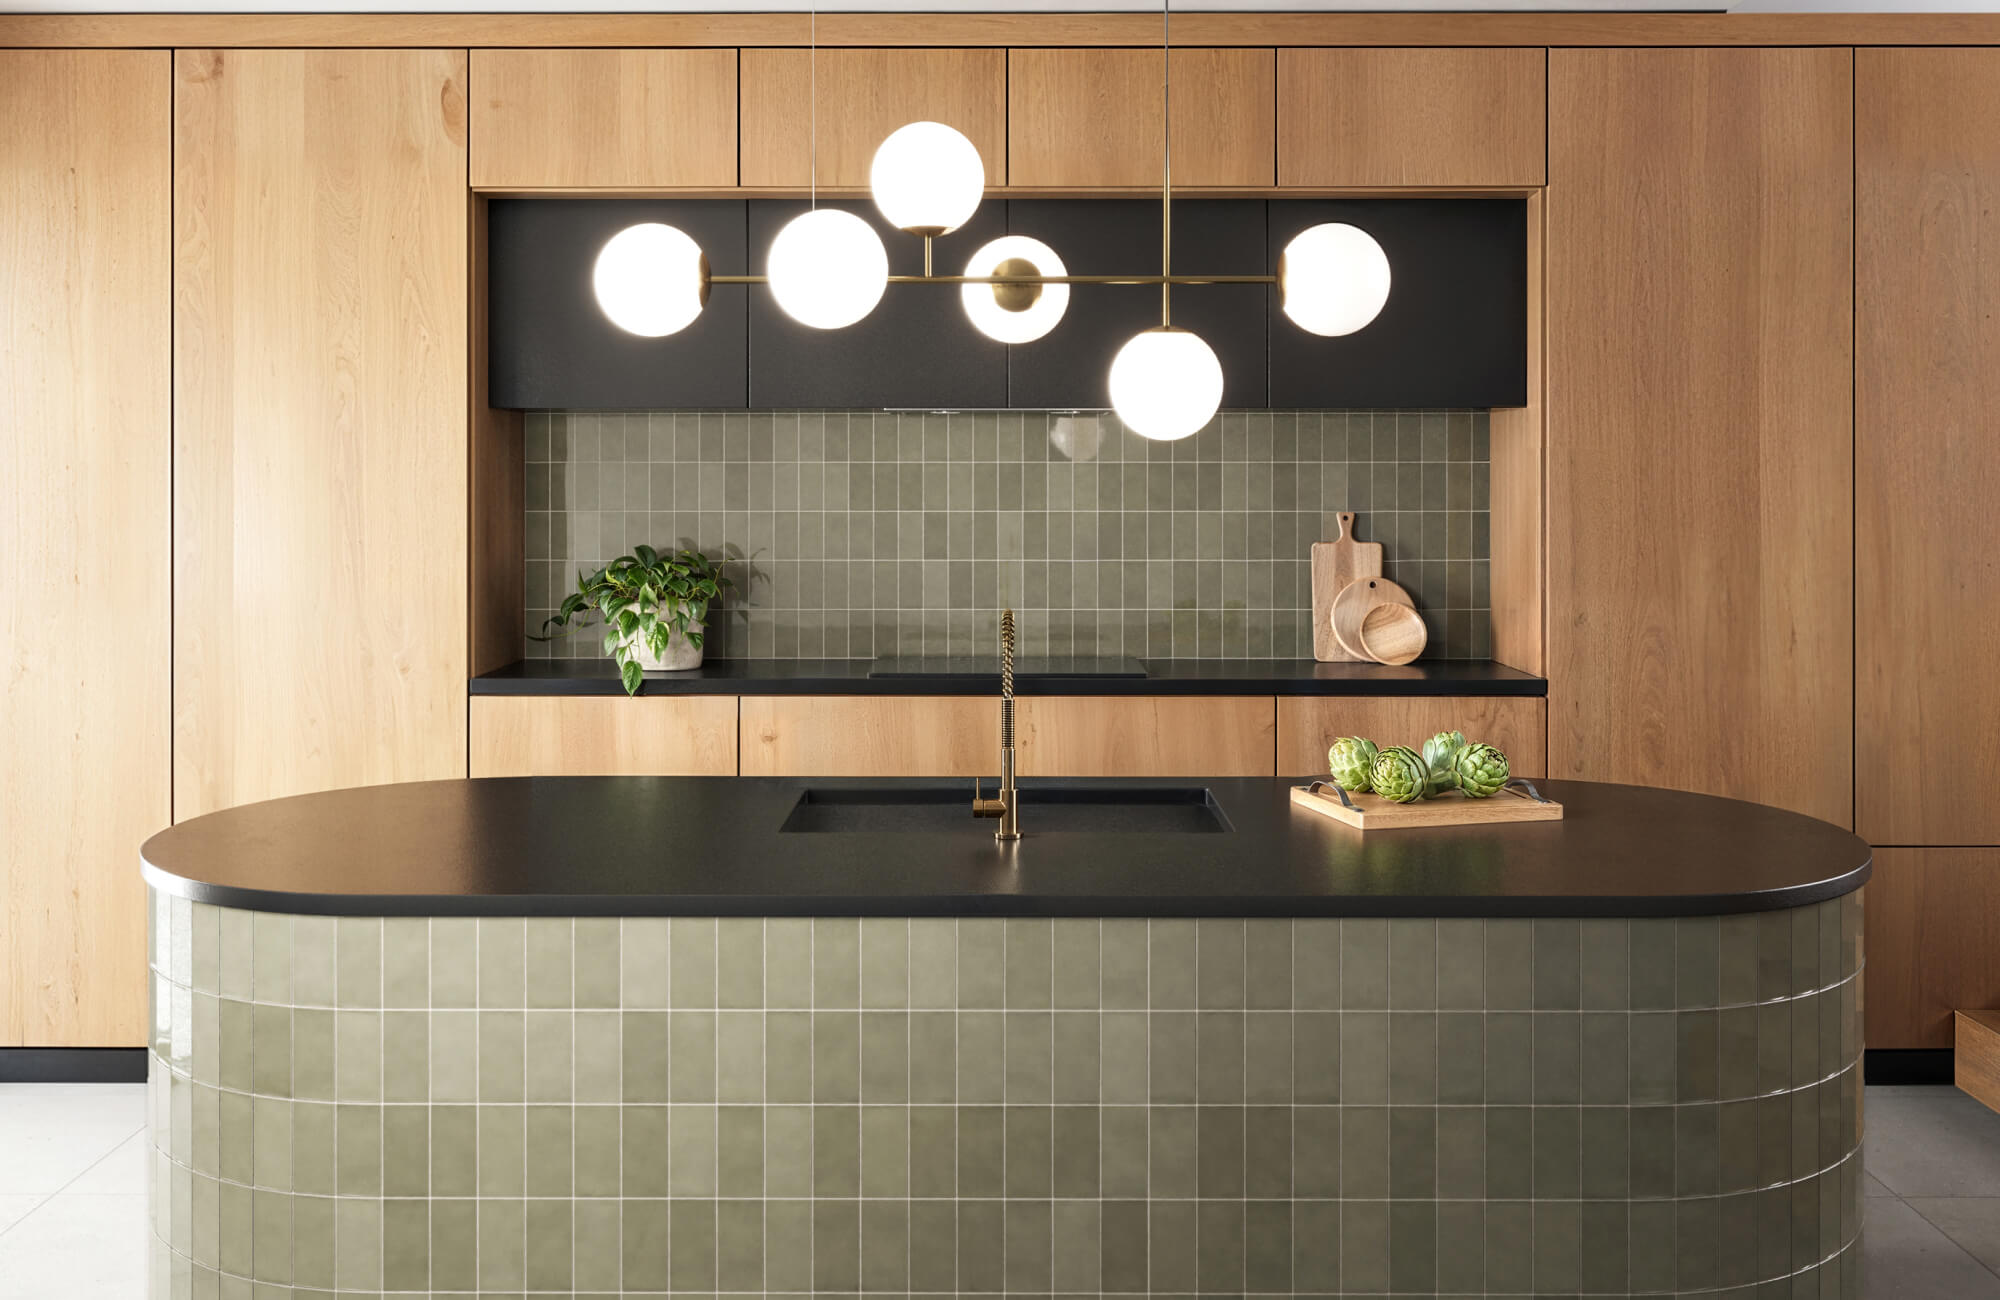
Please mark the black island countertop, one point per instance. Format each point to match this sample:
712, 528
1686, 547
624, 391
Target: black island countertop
713, 846
599, 676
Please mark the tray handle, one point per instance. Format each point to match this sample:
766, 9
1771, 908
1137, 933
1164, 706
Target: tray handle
1335, 786
1527, 785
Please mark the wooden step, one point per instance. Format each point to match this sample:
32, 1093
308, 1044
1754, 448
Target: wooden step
1976, 1055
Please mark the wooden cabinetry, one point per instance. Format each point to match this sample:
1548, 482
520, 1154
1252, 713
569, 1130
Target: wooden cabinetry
1927, 449
626, 119
1700, 571
600, 735
1406, 117
1164, 735
85, 351
1933, 926
864, 95
320, 410
869, 735
1309, 724
1090, 118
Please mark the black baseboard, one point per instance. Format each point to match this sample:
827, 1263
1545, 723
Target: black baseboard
1906, 1065
72, 1065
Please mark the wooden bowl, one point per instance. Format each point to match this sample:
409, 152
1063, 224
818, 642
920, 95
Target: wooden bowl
1393, 634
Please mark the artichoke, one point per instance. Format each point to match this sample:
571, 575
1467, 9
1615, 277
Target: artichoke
1349, 759
1438, 753
1479, 770
1400, 775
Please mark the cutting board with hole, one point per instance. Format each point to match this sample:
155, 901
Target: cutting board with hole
1335, 564
1352, 605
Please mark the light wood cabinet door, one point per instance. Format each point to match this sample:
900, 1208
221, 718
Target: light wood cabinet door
623, 119
1397, 117
1700, 313
1932, 923
863, 95
1090, 118
870, 735
320, 410
1927, 446
604, 735
85, 374
1167, 735
1309, 724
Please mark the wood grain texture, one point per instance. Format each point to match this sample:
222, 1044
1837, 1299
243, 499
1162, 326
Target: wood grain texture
1700, 361
654, 118
869, 735
1352, 605
863, 96
599, 735
1309, 724
1092, 117
496, 589
1927, 445
1372, 812
1518, 482
1933, 927
1178, 735
85, 374
1411, 117
1393, 634
320, 418
1975, 1058
1334, 565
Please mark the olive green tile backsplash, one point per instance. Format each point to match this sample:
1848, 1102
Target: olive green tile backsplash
854, 534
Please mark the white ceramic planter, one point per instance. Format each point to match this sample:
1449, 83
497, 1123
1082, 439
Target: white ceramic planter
681, 654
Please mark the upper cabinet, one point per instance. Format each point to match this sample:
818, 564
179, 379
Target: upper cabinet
1412, 117
1927, 444
1090, 118
862, 96
603, 119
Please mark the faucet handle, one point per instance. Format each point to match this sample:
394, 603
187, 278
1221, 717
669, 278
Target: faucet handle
985, 807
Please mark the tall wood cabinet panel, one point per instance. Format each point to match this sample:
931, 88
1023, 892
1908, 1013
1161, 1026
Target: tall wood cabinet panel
1933, 925
1165, 735
869, 735
320, 413
1309, 724
863, 95
85, 328
1927, 453
1090, 118
1700, 362
603, 735
1395, 117
625, 119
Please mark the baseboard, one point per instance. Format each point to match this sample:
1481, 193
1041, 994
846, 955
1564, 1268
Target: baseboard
1906, 1065
72, 1065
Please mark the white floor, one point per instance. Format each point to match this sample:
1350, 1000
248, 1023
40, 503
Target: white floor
73, 1198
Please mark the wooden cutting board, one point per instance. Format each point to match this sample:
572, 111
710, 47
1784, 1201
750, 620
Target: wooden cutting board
1370, 812
1352, 605
1335, 564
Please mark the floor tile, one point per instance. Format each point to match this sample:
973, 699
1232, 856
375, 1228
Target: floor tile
51, 1132
78, 1248
1871, 1185
121, 1172
1971, 1221
14, 1208
1932, 1142
1904, 1257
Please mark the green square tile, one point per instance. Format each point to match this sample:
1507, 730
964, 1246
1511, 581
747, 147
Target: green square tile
598, 1256
271, 1050
933, 1053
234, 1127
933, 963
1267, 1056
1558, 1075
739, 961
548, 1245
1604, 1132
1509, 965
1413, 1056
691, 1056
1774, 955
1173, 1070
598, 1140
1697, 1151
836, 962
1461, 1152
1074, 1159
788, 1059
313, 1055
1697, 961
1220, 1247
982, 1144
1737, 1058
1122, 1058
271, 1237
1075, 962
788, 1238
836, 1245
271, 1143
981, 1246
1220, 1056
1805, 950
1315, 1236
885, 1151
598, 1056
1696, 1055
1413, 965
738, 1054
548, 972
1654, 1068
406, 1146
1557, 955
406, 1045
1313, 1157
1461, 965
1076, 1049
933, 1145
207, 1056
1076, 1259
358, 1150
691, 1151
692, 962
502, 1059
788, 963
1029, 1049
358, 959
599, 961
933, 1247
1461, 1057
1510, 1255
1413, 1248
885, 963
739, 1247
645, 1241
1460, 1241
740, 1151
982, 964
1736, 960
1123, 1141
234, 978
645, 1037
836, 1056
1316, 1063
1364, 1245
314, 1252
1030, 963
548, 1145
1027, 1246
1364, 965
359, 1228
836, 1151
406, 1254
982, 1056
1030, 1156
454, 954
1510, 1152
1364, 1057
314, 981
1172, 1253
645, 962
548, 1055
1124, 955
502, 1254
1173, 958
1221, 964
502, 1150
358, 1055
1558, 1229
1603, 1057
643, 1142
1651, 1168
1557, 1152
885, 1247
1737, 1142
454, 1245
1604, 965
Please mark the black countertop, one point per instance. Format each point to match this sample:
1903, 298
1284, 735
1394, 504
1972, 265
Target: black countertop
1162, 677
709, 846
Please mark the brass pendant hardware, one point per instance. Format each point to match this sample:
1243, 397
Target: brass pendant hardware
1012, 294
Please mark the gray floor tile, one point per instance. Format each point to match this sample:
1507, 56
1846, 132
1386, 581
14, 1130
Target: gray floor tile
1871, 1185
51, 1132
1932, 1142
1904, 1257
78, 1248
1971, 1221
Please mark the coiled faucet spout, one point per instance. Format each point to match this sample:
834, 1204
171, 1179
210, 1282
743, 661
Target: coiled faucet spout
1007, 807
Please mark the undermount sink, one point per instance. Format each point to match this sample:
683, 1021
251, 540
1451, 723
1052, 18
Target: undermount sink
1058, 810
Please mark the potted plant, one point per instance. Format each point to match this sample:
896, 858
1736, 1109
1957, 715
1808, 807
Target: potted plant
654, 607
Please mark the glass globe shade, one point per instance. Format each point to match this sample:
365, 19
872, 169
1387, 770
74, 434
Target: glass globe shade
991, 306
1166, 383
927, 178
1333, 279
651, 280
827, 268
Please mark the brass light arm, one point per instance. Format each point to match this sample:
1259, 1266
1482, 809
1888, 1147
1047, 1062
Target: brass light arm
1037, 279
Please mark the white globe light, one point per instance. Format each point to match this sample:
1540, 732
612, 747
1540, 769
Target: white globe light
1166, 383
927, 178
1333, 279
651, 280
1015, 313
827, 268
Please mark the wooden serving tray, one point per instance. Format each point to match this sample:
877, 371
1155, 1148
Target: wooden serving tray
1517, 801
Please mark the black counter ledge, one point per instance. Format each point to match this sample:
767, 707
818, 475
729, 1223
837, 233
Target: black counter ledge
712, 846
599, 676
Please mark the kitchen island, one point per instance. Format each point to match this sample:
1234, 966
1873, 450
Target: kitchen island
644, 1036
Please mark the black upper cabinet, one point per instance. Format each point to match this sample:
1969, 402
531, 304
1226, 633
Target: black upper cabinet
1455, 329
916, 349
1070, 366
551, 347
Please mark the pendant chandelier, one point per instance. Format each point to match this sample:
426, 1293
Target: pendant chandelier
827, 269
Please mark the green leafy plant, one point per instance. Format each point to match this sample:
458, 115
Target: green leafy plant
645, 600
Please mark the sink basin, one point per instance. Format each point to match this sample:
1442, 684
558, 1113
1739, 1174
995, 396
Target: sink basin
1044, 810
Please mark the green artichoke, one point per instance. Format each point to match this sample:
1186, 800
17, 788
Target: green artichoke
1438, 753
1479, 770
1349, 759
1400, 775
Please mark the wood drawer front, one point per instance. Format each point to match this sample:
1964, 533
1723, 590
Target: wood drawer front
599, 735
1932, 929
870, 735
1397, 117
863, 96
603, 118
1168, 735
1090, 119
1308, 724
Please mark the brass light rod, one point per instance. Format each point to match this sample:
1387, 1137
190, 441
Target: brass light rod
1037, 279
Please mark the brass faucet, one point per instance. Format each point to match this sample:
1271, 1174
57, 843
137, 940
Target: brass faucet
1007, 807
